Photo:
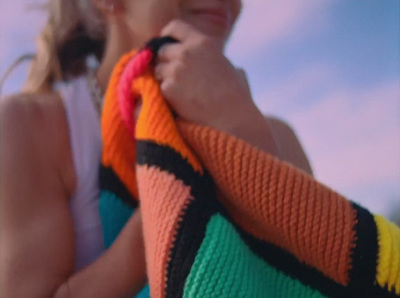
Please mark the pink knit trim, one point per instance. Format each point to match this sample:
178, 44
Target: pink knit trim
126, 97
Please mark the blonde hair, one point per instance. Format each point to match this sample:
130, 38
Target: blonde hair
74, 30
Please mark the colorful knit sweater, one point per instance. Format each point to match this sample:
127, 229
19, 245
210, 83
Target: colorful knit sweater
224, 219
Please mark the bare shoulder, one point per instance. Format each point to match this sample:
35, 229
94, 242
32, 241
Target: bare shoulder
35, 220
36, 123
33, 119
281, 127
34, 109
288, 143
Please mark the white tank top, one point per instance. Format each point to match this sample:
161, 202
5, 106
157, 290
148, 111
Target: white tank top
85, 137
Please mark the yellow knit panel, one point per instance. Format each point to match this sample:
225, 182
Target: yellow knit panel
388, 270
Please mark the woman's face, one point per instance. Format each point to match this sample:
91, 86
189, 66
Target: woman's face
215, 18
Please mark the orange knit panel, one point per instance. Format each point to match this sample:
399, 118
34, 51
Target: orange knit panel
310, 220
163, 203
156, 122
251, 225
119, 151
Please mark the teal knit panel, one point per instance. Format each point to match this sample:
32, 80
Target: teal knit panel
226, 267
114, 214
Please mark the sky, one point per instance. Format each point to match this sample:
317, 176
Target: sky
331, 69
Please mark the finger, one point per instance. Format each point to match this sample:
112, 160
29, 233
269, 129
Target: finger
179, 30
161, 71
169, 90
169, 52
172, 70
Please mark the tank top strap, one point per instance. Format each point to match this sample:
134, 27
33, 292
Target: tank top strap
85, 138
83, 123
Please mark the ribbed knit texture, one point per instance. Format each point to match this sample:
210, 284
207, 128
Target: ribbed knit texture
224, 219
226, 267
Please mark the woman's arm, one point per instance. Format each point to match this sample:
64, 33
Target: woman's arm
119, 272
288, 145
202, 86
270, 135
37, 233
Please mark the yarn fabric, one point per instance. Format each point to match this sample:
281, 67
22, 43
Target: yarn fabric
222, 218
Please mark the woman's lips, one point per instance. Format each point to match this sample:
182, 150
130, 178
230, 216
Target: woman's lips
217, 16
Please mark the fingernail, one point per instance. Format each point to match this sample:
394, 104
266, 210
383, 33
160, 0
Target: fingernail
157, 74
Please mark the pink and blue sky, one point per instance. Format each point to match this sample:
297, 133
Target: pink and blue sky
329, 68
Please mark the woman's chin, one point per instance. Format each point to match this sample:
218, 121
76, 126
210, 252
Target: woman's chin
212, 28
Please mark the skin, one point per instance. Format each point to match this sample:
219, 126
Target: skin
37, 173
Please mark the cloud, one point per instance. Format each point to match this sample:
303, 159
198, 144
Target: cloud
297, 88
263, 23
19, 25
351, 134
349, 120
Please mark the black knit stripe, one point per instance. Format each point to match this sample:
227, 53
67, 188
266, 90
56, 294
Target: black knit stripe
167, 159
379, 292
109, 181
290, 265
155, 44
192, 230
190, 235
362, 276
365, 253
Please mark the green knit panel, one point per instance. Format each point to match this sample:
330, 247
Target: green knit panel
226, 267
114, 214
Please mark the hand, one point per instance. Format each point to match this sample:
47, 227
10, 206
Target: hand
199, 83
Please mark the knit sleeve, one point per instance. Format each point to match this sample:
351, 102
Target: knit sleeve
280, 204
